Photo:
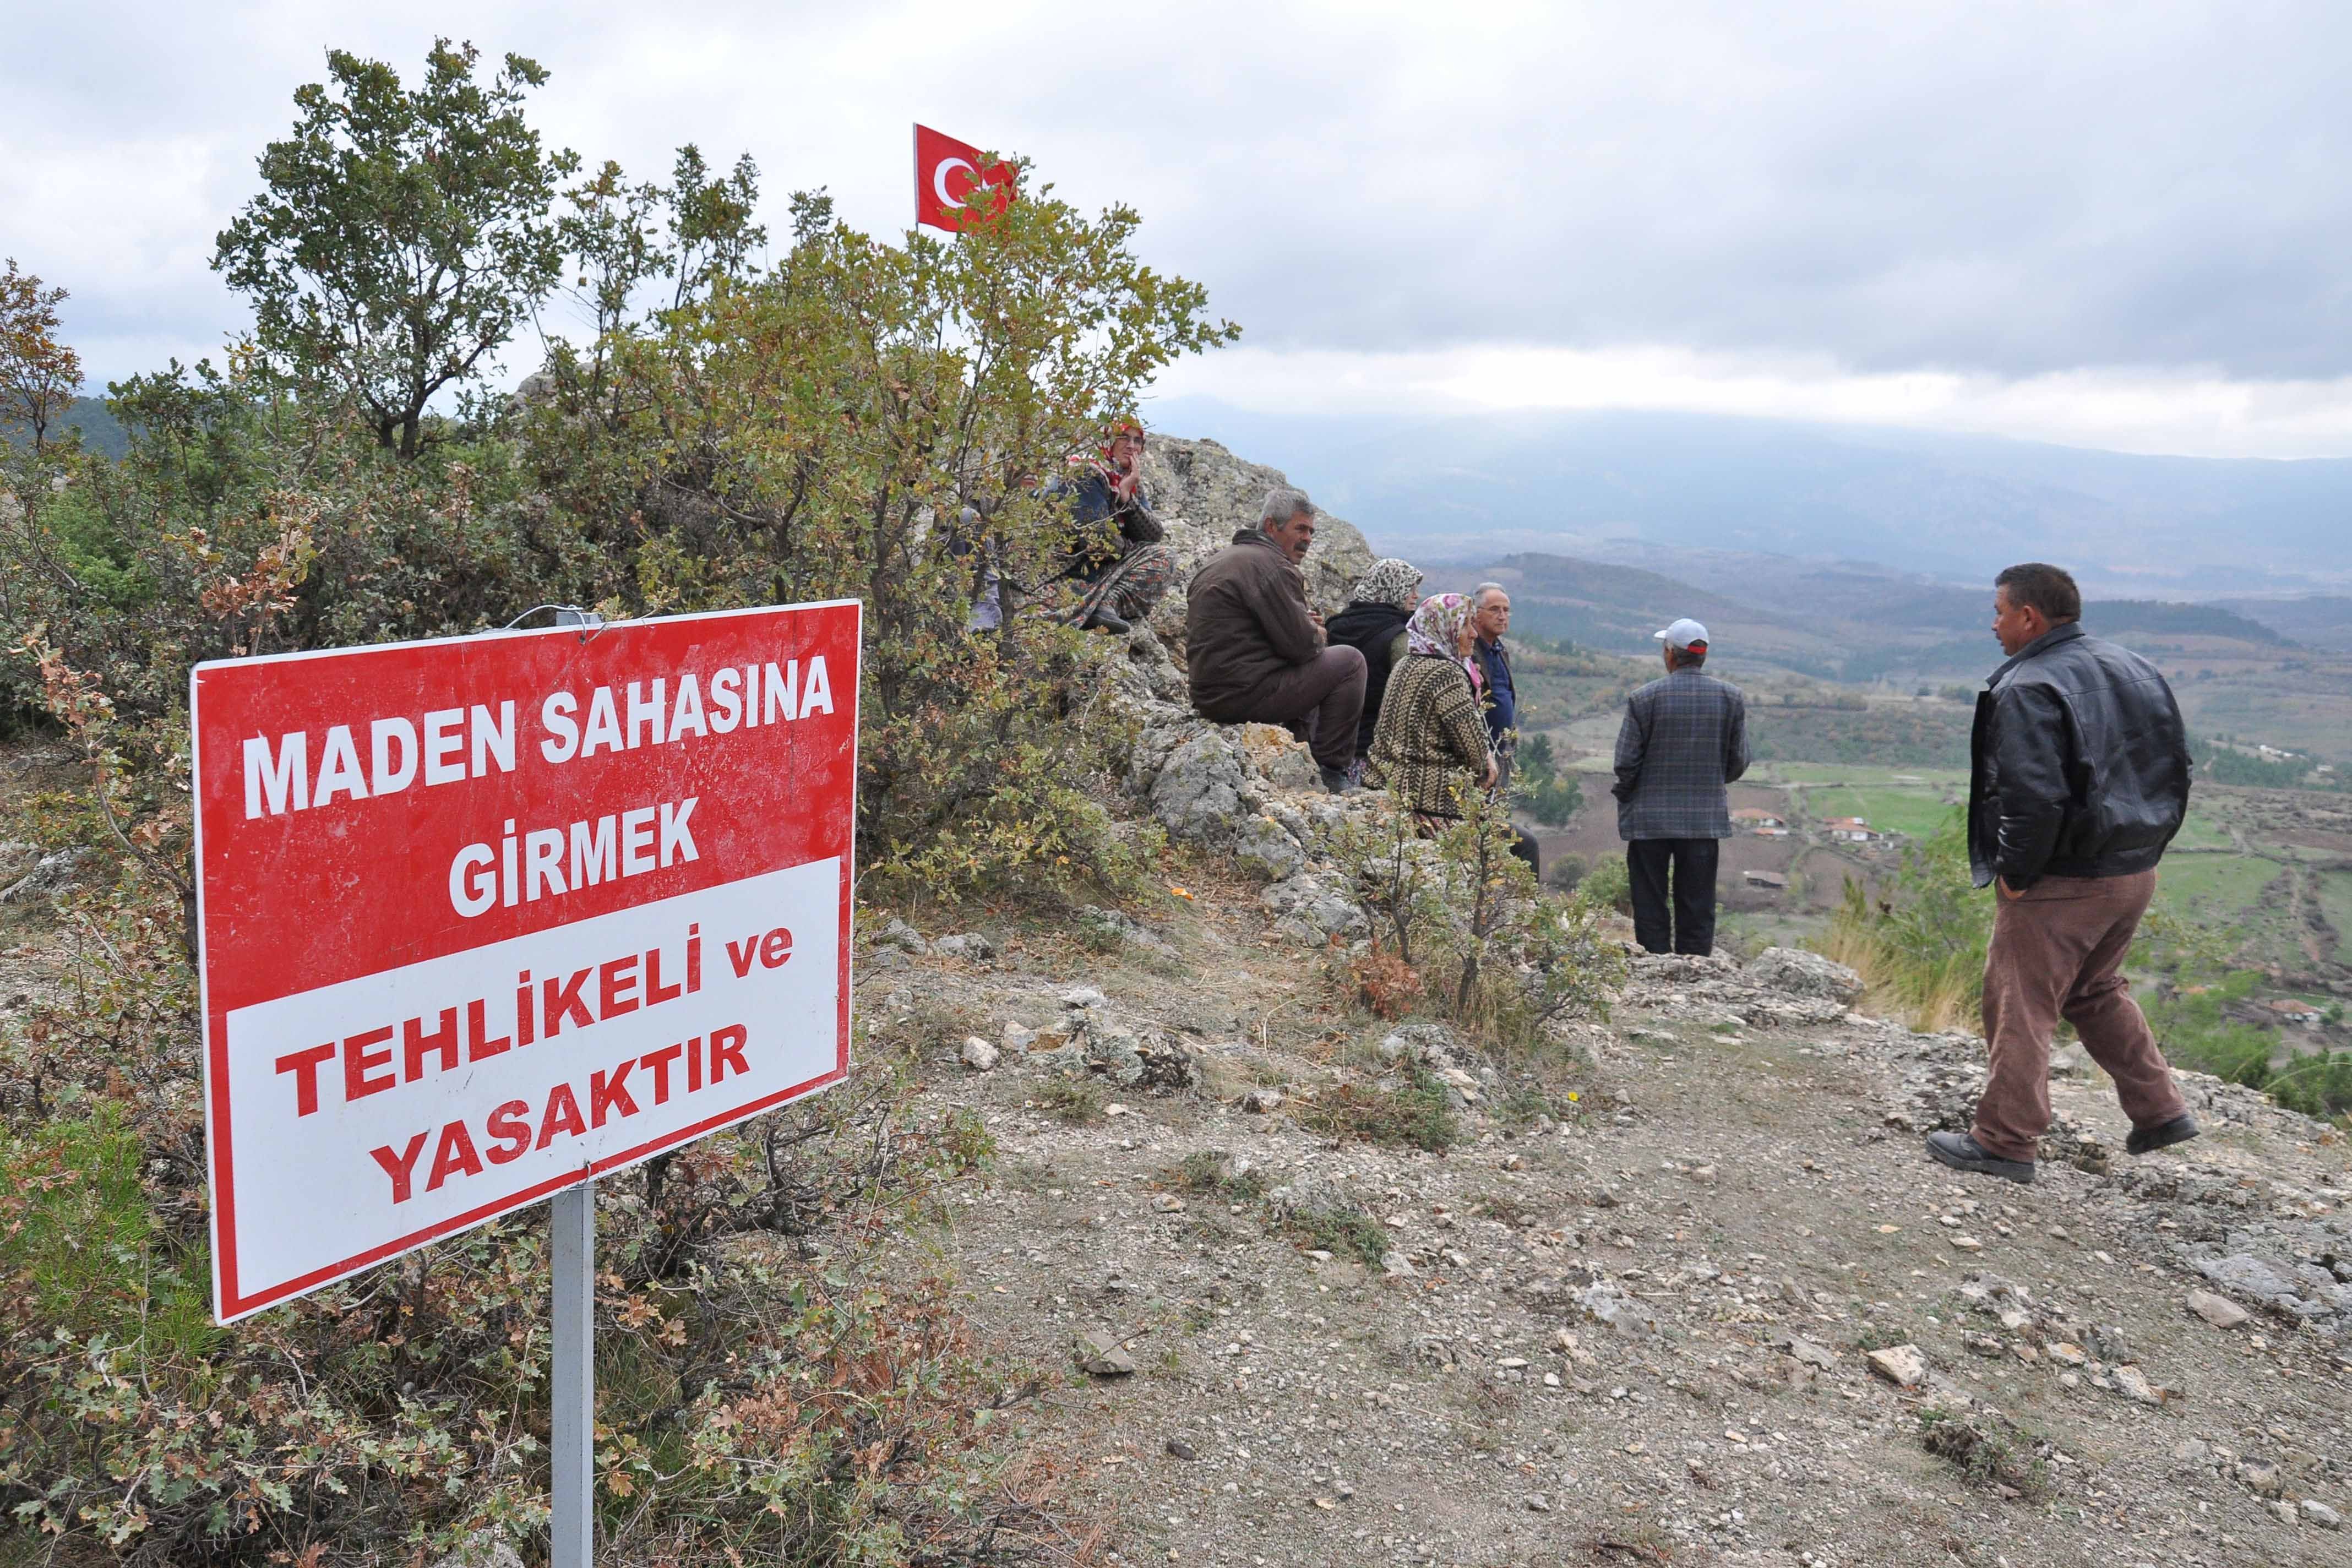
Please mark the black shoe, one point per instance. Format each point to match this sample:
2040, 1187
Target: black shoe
1335, 780
1105, 620
1962, 1153
2163, 1135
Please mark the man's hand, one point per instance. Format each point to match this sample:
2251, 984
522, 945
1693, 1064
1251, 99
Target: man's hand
1493, 772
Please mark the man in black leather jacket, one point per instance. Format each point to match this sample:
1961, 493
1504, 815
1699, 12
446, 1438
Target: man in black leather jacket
2078, 779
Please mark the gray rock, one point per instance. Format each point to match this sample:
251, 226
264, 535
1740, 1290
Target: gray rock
2260, 1478
1397, 1265
1800, 973
970, 944
2249, 1275
483, 1549
980, 1055
1258, 1101
1197, 794
905, 938
1811, 1354
1202, 494
2319, 1513
1322, 909
52, 873
1267, 848
1604, 1303
1430, 1044
1902, 1365
1099, 1356
2218, 1310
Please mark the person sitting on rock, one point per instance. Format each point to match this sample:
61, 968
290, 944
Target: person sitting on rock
1373, 624
1430, 748
1116, 553
1253, 649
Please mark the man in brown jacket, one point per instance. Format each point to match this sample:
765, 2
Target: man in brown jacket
1254, 651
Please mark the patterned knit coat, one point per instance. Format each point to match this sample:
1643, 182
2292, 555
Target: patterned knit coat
1431, 739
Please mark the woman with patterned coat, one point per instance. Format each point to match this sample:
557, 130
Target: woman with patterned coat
1430, 747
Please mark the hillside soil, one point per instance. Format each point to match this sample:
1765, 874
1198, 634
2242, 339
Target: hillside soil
1627, 1314
1741, 1190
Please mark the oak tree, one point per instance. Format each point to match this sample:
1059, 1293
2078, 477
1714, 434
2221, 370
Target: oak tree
403, 235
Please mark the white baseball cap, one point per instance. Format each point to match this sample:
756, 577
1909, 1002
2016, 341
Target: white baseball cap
1683, 634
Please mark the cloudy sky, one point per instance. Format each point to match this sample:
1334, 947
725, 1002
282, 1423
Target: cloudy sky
2123, 225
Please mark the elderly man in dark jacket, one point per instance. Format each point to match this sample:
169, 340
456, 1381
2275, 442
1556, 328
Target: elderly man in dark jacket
1682, 740
1253, 649
2078, 779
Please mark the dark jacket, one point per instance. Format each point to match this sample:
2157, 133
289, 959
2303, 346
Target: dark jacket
1502, 696
2078, 765
1371, 630
1103, 527
1683, 739
1245, 623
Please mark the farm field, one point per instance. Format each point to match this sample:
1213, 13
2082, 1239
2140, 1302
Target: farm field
2211, 888
1915, 812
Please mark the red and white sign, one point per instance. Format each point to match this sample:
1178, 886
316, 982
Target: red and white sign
946, 171
483, 917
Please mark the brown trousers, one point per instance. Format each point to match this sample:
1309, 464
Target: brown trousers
1319, 702
2057, 953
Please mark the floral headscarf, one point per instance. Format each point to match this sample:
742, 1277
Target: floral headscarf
1389, 582
1435, 630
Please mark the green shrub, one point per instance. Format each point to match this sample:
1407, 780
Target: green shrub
1415, 1114
1920, 946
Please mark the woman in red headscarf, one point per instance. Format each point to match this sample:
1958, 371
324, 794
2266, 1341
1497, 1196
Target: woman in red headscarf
1116, 553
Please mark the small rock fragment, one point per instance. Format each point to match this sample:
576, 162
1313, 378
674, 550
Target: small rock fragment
1811, 1354
1258, 1101
970, 944
2319, 1513
2135, 1385
979, 1055
1397, 1265
2218, 1310
1180, 1449
1902, 1365
1100, 1355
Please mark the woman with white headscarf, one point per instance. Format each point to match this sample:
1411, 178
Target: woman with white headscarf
1373, 625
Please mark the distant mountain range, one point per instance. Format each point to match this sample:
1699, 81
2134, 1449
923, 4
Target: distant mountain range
1943, 508
1834, 624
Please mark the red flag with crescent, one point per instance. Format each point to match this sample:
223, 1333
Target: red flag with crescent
946, 172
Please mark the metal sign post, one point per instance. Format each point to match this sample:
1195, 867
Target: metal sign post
571, 1446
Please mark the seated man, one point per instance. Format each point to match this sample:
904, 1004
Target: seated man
1254, 651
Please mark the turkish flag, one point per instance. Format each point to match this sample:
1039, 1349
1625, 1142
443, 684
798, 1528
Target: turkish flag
946, 171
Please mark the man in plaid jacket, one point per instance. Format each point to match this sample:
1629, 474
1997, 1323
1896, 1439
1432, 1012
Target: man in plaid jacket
1684, 739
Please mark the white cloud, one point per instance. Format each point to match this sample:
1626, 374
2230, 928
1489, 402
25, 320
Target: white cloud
2122, 224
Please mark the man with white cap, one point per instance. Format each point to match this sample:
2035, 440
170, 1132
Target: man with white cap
1684, 739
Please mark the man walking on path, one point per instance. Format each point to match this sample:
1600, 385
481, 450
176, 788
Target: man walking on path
1684, 739
1254, 651
2078, 777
